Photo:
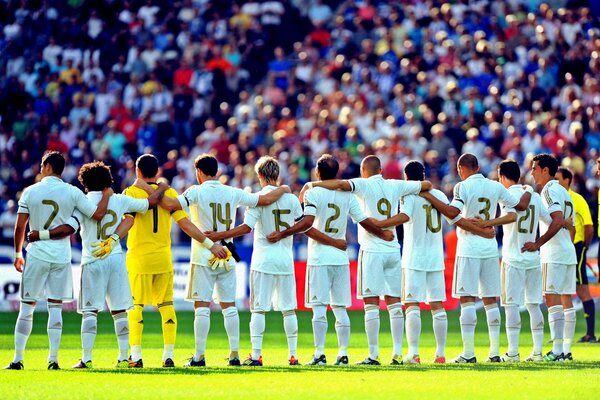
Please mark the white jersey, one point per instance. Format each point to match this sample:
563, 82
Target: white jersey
94, 231
273, 258
331, 209
212, 208
559, 249
379, 198
478, 196
50, 203
523, 230
423, 248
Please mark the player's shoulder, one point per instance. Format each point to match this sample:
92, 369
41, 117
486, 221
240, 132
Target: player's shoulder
437, 193
171, 192
134, 191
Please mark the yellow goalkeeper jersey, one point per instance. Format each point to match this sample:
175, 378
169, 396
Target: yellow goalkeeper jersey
583, 216
149, 240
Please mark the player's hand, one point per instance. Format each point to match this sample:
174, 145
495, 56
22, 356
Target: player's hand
33, 236
567, 223
388, 236
340, 244
286, 189
102, 249
212, 235
219, 251
19, 264
274, 237
142, 184
530, 246
489, 233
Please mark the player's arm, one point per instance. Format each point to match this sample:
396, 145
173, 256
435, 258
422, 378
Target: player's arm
555, 226
524, 201
588, 234
102, 205
502, 220
19, 238
447, 210
273, 196
426, 186
301, 226
61, 231
370, 226
396, 220
240, 230
192, 231
166, 202
322, 238
157, 195
475, 229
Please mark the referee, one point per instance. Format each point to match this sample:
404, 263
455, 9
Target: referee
584, 231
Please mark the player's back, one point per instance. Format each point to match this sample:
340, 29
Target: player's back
274, 258
331, 209
523, 230
423, 247
559, 249
379, 199
149, 240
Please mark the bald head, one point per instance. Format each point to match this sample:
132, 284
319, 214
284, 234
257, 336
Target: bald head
468, 161
371, 166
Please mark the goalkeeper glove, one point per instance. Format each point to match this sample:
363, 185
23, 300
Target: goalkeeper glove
214, 262
102, 249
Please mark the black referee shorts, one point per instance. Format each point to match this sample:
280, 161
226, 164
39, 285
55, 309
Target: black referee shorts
581, 251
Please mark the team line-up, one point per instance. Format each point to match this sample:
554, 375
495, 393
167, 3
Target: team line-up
536, 266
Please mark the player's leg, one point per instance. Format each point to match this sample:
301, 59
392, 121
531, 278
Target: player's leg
201, 282
162, 285
201, 329
392, 272
121, 324
55, 325
489, 291
583, 292
284, 300
316, 297
533, 299
141, 291
118, 297
225, 295
465, 286
436, 294
23, 329
89, 329
369, 285
59, 288
261, 287
556, 317
413, 292
513, 287
568, 290
340, 298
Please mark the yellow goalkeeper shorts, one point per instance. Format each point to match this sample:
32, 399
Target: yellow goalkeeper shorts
152, 289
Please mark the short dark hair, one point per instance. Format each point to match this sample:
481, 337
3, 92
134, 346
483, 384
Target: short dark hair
468, 161
148, 165
566, 174
510, 169
56, 161
95, 176
546, 160
327, 166
414, 170
207, 163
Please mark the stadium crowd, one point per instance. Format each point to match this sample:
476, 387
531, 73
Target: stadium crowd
425, 80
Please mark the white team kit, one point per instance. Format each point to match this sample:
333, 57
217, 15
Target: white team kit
423, 250
558, 256
212, 208
379, 265
272, 282
104, 278
477, 267
50, 203
328, 273
521, 275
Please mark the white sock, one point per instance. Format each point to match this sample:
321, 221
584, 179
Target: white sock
122, 331
23, 330
319, 325
492, 313
231, 319
413, 329
569, 330
201, 328
372, 329
290, 325
440, 330
556, 320
257, 330
168, 350
397, 327
468, 321
342, 328
536, 320
136, 352
55, 325
89, 329
513, 328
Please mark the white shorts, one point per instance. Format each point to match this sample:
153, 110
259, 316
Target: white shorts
269, 290
43, 280
379, 274
327, 284
520, 286
476, 277
205, 284
423, 286
105, 279
558, 278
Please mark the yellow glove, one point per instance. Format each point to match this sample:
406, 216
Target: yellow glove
214, 262
102, 249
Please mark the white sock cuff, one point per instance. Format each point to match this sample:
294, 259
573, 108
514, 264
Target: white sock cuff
439, 314
570, 314
467, 305
119, 316
371, 308
27, 309
54, 306
229, 312
555, 309
202, 312
288, 313
490, 307
413, 309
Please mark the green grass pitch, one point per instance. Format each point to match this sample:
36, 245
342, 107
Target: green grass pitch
580, 379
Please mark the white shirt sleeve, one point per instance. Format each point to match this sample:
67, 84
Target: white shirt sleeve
406, 188
506, 198
458, 200
75, 220
407, 205
310, 203
248, 199
252, 216
297, 209
357, 184
135, 205
355, 212
23, 203
186, 198
82, 203
550, 199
